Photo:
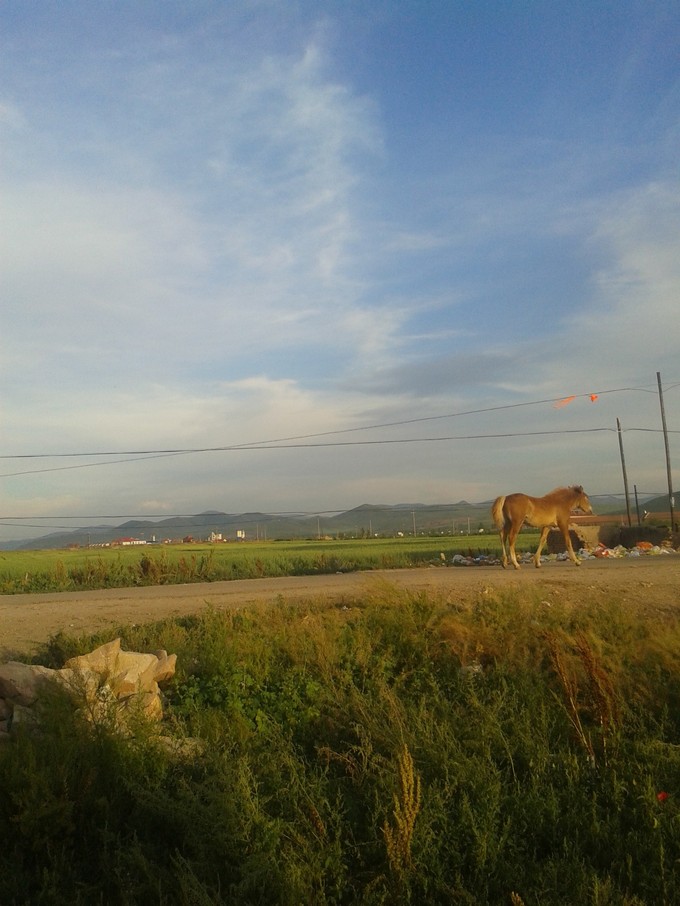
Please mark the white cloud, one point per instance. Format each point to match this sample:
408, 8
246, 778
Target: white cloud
632, 320
151, 281
154, 506
213, 241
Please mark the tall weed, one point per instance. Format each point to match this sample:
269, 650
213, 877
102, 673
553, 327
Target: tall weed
395, 749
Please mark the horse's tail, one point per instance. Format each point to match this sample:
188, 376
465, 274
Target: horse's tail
497, 512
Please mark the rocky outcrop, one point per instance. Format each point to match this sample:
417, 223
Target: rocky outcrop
108, 684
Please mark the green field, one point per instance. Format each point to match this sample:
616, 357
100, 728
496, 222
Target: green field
60, 570
397, 749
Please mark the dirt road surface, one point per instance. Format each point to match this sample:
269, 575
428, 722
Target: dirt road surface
26, 621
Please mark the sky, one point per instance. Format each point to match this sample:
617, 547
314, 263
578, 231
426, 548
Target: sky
388, 236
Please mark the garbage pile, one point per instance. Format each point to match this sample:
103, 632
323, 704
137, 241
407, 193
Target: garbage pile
641, 549
481, 560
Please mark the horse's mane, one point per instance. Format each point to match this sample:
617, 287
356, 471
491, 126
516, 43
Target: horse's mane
572, 487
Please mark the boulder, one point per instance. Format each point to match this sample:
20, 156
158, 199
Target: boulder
137, 674
102, 660
167, 665
111, 684
127, 672
20, 683
147, 703
27, 717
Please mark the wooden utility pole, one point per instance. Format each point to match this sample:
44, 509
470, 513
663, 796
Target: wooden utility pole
623, 466
671, 500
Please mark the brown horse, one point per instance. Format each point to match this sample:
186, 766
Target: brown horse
511, 512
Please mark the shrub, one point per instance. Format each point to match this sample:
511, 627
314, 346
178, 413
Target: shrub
397, 749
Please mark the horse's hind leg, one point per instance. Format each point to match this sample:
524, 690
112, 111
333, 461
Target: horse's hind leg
512, 536
541, 542
504, 558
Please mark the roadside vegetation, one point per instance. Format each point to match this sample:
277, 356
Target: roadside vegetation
76, 570
396, 749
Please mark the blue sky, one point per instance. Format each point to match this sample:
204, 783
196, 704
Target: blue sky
228, 223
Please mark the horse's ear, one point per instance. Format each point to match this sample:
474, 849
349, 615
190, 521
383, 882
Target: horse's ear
578, 488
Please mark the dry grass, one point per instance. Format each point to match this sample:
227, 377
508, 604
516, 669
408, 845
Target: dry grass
399, 748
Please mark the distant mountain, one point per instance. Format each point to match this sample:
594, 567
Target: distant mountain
175, 528
428, 518
366, 519
362, 520
660, 504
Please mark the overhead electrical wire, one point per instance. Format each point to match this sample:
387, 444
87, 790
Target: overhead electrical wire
251, 444
294, 442
291, 441
310, 446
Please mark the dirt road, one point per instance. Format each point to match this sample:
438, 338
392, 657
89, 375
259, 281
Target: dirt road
26, 621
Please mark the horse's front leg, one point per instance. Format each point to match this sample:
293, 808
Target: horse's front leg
541, 542
570, 550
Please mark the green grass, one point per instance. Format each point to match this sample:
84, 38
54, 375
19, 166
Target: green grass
404, 749
59, 570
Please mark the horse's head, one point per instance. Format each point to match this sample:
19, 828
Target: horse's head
581, 502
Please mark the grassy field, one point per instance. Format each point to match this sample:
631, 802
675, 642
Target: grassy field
397, 749
59, 570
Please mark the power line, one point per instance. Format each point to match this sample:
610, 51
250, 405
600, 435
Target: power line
263, 445
297, 446
288, 442
91, 465
279, 440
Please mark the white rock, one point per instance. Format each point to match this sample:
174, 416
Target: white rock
20, 683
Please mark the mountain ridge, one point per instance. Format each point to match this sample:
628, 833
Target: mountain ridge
365, 519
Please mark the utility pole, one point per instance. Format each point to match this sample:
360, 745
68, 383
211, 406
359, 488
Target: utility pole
623, 466
637, 504
671, 500
413, 513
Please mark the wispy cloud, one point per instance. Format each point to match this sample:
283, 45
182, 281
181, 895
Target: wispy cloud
261, 234
230, 225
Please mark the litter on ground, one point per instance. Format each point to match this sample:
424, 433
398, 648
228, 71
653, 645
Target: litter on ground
641, 549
